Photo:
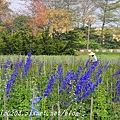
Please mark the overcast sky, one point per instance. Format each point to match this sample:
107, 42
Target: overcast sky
16, 4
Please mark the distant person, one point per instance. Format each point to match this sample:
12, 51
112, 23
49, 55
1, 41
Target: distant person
94, 58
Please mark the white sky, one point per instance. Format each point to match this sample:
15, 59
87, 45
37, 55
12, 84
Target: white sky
16, 5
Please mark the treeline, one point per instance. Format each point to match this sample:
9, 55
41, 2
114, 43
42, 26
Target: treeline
44, 43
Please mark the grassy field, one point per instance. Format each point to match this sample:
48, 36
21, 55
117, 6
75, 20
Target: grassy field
111, 57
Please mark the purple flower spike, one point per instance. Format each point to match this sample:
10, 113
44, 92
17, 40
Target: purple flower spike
27, 65
40, 69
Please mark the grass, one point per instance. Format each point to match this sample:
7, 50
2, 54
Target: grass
111, 57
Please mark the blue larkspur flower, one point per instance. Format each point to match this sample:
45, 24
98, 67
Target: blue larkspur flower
36, 99
87, 63
27, 65
66, 81
117, 73
76, 75
7, 64
10, 83
33, 107
96, 84
40, 68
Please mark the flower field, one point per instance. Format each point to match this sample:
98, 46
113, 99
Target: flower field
49, 89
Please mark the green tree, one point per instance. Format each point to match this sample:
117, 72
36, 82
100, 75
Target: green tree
48, 43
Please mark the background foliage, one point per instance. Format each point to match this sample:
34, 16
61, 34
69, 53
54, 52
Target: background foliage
58, 27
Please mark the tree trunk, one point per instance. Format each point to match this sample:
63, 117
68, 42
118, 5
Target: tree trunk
103, 24
88, 42
102, 31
